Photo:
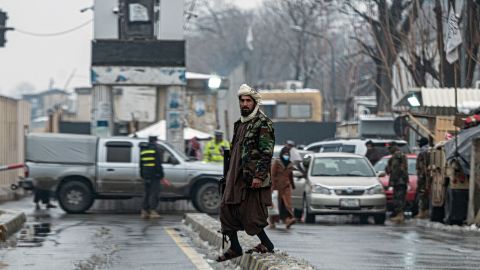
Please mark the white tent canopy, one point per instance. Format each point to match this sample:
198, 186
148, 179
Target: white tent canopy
159, 129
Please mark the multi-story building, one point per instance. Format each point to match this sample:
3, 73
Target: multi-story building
44, 102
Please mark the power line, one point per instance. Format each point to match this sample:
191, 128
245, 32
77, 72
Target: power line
54, 34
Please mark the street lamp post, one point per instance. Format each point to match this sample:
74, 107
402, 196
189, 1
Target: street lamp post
332, 59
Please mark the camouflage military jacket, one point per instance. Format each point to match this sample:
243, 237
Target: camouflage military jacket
257, 148
397, 168
422, 162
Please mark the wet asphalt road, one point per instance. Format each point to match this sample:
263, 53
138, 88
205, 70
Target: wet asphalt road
108, 240
340, 242
96, 241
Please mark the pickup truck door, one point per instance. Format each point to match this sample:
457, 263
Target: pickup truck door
174, 169
118, 168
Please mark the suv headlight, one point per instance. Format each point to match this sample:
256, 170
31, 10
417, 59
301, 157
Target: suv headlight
321, 190
377, 189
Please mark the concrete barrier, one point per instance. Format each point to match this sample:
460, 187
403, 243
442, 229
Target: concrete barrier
208, 229
10, 223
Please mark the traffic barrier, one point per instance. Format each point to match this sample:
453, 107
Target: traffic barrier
208, 229
11, 166
10, 223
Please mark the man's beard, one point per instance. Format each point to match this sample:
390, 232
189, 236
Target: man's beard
246, 111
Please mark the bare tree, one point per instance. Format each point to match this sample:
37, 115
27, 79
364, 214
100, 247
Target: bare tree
390, 24
216, 38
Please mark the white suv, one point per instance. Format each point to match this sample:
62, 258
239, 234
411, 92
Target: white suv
355, 146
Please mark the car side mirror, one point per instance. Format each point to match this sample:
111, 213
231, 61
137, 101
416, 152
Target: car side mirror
381, 174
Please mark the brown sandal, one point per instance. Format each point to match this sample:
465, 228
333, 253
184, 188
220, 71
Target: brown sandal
260, 248
228, 255
290, 222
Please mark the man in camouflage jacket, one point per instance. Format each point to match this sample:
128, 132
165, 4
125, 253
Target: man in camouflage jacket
397, 168
257, 149
247, 189
422, 178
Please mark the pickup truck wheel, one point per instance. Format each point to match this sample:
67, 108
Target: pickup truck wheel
206, 198
75, 197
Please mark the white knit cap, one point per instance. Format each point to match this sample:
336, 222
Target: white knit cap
246, 90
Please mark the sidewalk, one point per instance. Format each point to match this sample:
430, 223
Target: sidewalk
11, 221
208, 228
443, 227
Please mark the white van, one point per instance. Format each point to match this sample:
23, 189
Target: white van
356, 146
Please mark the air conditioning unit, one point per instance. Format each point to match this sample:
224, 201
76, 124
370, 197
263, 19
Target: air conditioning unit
293, 85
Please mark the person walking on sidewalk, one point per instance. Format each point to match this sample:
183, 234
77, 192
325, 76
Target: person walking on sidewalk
397, 168
422, 186
151, 171
42, 195
247, 191
282, 181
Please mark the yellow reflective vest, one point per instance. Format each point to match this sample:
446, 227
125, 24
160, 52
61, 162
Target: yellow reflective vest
213, 152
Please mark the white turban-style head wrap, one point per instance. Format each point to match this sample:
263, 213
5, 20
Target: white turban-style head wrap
246, 90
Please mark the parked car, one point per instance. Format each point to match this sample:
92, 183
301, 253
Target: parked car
338, 184
79, 169
356, 146
412, 204
278, 148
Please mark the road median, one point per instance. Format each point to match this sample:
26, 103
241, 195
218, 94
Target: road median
10, 223
208, 229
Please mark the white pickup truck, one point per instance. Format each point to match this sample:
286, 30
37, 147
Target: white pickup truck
80, 168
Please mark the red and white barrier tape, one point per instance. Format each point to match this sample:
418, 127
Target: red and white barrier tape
11, 166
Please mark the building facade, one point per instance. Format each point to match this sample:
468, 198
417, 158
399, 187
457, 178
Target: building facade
138, 66
14, 124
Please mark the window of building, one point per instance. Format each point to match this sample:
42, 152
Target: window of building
300, 111
281, 110
119, 152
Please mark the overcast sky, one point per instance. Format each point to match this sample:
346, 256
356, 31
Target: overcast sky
35, 61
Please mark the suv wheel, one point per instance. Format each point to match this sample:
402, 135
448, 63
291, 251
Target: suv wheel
206, 198
75, 197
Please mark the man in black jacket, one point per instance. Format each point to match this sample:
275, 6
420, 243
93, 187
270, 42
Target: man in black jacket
151, 171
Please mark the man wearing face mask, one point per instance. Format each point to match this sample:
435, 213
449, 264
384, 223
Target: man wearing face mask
247, 190
282, 180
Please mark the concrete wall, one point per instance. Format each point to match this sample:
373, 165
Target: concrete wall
105, 21
201, 106
171, 20
14, 122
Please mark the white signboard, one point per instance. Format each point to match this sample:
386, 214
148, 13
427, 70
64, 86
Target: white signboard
135, 103
138, 13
